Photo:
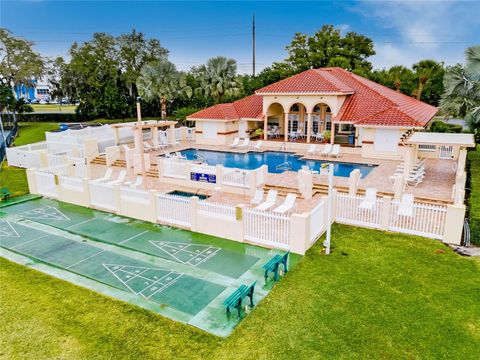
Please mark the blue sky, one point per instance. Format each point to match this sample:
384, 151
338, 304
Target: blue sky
403, 31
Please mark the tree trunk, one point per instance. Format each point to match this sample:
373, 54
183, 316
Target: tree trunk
419, 90
163, 107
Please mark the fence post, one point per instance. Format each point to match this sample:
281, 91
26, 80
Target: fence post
252, 186
299, 233
385, 214
32, 181
239, 209
193, 213
218, 174
43, 158
454, 219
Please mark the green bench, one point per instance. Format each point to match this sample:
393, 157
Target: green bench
5, 193
273, 265
235, 300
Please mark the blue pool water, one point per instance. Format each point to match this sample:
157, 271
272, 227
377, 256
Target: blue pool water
253, 160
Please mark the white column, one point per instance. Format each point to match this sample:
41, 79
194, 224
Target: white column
265, 126
309, 126
285, 130
332, 134
155, 137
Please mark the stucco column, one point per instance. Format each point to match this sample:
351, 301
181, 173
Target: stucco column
265, 126
155, 136
332, 134
115, 133
309, 126
285, 127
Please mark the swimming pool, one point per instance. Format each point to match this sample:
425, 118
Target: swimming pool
253, 160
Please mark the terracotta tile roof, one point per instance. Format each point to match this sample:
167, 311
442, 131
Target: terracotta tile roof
310, 81
248, 107
375, 104
367, 102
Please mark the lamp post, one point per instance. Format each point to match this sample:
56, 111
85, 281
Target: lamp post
326, 243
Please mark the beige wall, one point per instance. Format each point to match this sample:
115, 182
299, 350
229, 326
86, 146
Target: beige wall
226, 132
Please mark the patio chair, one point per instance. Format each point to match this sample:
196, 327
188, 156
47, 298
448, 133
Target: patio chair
257, 198
179, 155
135, 184
270, 201
107, 176
258, 145
370, 199
335, 151
319, 137
312, 149
287, 205
235, 143
414, 179
406, 206
327, 149
245, 144
120, 179
307, 168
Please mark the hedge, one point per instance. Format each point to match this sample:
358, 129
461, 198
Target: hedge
48, 117
474, 198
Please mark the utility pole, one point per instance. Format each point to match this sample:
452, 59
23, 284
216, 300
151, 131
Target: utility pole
253, 45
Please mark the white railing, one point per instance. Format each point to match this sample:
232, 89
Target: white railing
317, 221
357, 210
59, 170
236, 177
217, 209
267, 228
174, 168
446, 152
46, 184
135, 195
418, 219
71, 183
25, 156
173, 209
55, 160
103, 196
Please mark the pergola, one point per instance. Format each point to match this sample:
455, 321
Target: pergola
138, 127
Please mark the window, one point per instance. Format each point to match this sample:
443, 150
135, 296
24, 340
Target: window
293, 122
346, 128
328, 122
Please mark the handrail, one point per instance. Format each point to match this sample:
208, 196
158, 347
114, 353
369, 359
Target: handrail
285, 166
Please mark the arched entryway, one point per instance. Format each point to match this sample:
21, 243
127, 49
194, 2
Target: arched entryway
297, 116
275, 124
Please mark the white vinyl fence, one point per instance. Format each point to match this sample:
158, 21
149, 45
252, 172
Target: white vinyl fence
317, 221
217, 209
418, 219
25, 156
103, 196
173, 209
267, 228
71, 183
135, 195
357, 210
236, 177
46, 184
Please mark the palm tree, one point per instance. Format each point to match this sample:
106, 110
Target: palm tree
425, 70
462, 89
218, 78
399, 75
161, 80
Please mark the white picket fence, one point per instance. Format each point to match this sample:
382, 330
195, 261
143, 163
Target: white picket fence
317, 221
420, 219
236, 177
46, 184
174, 168
217, 209
173, 209
357, 210
103, 196
25, 156
267, 228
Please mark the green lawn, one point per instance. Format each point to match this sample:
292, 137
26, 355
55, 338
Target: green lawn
377, 295
53, 108
474, 200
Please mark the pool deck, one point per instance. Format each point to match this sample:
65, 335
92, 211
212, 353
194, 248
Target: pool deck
437, 185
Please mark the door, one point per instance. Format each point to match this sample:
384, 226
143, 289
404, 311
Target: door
386, 140
242, 129
209, 130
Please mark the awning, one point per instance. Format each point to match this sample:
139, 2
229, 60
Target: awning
431, 138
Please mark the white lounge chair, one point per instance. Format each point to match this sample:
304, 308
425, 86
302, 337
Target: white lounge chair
245, 144
327, 149
406, 206
270, 201
258, 197
107, 176
335, 150
235, 143
414, 179
179, 155
370, 199
319, 137
287, 205
120, 179
258, 145
312, 149
135, 184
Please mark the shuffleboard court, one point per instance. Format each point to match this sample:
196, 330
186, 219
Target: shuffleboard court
193, 249
161, 285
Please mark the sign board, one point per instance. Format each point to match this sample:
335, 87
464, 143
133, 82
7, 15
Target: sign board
201, 177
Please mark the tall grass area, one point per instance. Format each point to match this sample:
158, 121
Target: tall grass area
378, 295
474, 200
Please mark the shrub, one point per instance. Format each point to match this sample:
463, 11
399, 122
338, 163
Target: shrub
443, 127
474, 198
46, 117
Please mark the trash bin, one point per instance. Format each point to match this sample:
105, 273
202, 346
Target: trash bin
351, 139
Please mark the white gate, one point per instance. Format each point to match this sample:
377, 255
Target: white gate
446, 152
267, 228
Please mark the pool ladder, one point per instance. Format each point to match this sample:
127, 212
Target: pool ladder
199, 157
285, 166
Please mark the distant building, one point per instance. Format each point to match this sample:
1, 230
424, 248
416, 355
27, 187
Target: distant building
39, 91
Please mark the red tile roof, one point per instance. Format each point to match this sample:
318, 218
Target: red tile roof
249, 107
310, 81
367, 102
